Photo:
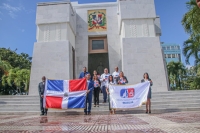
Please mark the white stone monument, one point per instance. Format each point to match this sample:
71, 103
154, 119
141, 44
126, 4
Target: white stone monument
123, 33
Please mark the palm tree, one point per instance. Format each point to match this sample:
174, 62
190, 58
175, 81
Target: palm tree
191, 24
175, 70
191, 19
13, 78
18, 77
192, 48
4, 66
24, 75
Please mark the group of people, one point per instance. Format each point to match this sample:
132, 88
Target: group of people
97, 83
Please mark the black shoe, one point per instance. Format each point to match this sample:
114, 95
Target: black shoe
41, 114
149, 111
89, 113
45, 114
146, 111
85, 113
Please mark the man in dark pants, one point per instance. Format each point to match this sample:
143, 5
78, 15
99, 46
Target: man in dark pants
41, 88
84, 73
90, 87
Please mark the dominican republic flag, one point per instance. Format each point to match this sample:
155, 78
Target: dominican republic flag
65, 94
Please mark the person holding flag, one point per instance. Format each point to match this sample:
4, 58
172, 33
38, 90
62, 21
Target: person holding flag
122, 80
41, 88
111, 82
148, 103
90, 87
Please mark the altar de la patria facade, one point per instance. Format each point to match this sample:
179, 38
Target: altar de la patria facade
125, 33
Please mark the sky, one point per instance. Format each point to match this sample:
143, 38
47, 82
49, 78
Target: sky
18, 28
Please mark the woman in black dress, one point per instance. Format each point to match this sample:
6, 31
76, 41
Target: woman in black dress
148, 103
97, 85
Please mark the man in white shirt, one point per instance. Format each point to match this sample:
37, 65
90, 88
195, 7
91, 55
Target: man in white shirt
115, 74
104, 83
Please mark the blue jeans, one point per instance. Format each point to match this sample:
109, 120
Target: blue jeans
104, 93
89, 101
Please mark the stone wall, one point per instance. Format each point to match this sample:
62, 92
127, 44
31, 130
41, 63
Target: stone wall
142, 55
140, 43
50, 59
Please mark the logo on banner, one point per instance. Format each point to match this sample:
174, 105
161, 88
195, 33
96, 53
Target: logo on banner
127, 93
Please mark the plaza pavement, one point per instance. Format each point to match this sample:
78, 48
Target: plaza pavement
175, 122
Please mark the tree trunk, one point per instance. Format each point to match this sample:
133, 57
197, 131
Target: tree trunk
19, 90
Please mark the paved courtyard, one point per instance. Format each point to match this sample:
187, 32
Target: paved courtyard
177, 122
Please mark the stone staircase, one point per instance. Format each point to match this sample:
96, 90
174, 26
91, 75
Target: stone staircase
162, 102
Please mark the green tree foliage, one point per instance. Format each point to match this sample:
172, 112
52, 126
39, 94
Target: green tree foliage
182, 78
23, 61
175, 71
4, 66
192, 79
191, 24
17, 77
14, 71
191, 19
192, 48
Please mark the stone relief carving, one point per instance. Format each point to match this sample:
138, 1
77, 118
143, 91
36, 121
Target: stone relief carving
133, 29
145, 30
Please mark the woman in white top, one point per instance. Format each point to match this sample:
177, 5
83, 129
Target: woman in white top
122, 80
148, 103
111, 81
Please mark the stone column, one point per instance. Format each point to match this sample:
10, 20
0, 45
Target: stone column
140, 43
52, 53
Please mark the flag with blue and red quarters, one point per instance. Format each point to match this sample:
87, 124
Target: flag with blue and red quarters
65, 94
128, 96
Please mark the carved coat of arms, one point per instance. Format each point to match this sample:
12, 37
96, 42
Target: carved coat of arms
97, 20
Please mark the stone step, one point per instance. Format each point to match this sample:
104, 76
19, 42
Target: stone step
173, 98
177, 92
101, 96
161, 102
20, 102
184, 92
154, 102
33, 107
80, 112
